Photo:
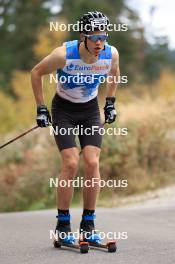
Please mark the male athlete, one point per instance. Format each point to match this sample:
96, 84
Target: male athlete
75, 103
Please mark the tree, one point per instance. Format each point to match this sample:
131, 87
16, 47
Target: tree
20, 22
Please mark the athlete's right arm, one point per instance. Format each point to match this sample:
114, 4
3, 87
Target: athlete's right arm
56, 59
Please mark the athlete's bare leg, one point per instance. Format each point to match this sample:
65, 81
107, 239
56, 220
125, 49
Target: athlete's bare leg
91, 156
70, 160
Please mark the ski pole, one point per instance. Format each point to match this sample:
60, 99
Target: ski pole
23, 134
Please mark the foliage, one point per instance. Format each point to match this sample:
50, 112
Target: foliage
20, 23
48, 41
145, 157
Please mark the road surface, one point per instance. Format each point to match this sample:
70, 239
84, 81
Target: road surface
150, 231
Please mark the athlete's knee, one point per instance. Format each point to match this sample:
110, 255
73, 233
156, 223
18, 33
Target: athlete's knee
70, 160
91, 163
71, 165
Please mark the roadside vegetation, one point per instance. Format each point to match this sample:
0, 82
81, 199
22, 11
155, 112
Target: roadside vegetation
144, 157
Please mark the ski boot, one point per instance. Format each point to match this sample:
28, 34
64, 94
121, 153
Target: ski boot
65, 237
88, 233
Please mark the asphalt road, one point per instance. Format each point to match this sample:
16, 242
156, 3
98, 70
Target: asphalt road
150, 231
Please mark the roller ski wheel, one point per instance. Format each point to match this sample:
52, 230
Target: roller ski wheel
56, 244
84, 247
111, 246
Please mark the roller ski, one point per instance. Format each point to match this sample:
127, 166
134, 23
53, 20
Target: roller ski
88, 234
64, 236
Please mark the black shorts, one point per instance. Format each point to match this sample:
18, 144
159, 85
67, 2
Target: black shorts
66, 116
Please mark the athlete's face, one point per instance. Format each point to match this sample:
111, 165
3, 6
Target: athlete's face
96, 41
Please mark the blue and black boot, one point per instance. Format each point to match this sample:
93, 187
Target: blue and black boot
87, 227
63, 227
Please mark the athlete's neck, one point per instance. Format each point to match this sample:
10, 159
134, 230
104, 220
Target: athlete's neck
85, 55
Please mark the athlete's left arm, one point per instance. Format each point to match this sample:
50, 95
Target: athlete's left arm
112, 78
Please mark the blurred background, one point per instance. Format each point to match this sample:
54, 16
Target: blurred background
145, 157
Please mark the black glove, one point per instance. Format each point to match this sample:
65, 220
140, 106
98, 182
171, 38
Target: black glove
109, 110
43, 116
